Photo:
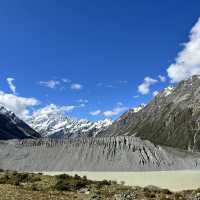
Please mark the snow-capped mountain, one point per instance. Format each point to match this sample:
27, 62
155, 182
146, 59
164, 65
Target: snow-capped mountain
52, 122
137, 109
11, 127
172, 118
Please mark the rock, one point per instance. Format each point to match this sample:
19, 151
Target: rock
153, 188
12, 127
95, 197
196, 197
128, 195
84, 190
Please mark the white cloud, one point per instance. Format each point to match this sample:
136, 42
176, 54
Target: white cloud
136, 96
162, 78
187, 62
155, 93
115, 111
19, 105
144, 88
52, 109
119, 103
95, 113
76, 86
68, 108
11, 85
50, 84
66, 80
82, 101
82, 105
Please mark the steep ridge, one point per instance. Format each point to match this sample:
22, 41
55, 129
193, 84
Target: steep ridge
52, 122
11, 127
172, 118
93, 154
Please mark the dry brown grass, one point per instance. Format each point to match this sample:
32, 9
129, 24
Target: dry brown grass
23, 186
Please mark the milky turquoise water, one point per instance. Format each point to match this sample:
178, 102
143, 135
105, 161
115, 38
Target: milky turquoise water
173, 180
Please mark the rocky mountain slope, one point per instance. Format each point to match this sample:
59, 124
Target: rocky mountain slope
52, 122
93, 154
172, 118
12, 127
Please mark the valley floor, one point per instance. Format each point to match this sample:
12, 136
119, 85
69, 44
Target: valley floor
29, 186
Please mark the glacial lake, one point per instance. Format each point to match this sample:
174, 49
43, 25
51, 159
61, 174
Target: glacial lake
173, 180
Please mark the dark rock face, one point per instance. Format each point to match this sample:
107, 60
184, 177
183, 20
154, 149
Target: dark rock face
11, 127
172, 118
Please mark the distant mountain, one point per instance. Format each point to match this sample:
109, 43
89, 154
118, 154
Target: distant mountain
51, 122
172, 118
11, 127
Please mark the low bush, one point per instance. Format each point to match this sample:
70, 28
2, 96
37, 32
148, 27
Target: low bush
69, 183
17, 178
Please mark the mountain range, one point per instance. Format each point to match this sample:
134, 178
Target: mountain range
52, 122
162, 135
172, 118
12, 127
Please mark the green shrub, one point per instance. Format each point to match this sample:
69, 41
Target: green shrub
15, 178
70, 183
62, 176
62, 186
166, 191
34, 187
149, 194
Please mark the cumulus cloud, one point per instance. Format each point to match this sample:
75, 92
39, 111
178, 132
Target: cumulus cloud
162, 78
82, 102
52, 109
82, 105
11, 85
19, 105
187, 62
68, 108
144, 88
76, 86
95, 113
66, 80
115, 111
50, 84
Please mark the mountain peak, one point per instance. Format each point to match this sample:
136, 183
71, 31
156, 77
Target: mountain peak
137, 109
172, 118
51, 121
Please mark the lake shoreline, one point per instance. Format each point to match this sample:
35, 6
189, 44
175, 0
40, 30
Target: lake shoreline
173, 180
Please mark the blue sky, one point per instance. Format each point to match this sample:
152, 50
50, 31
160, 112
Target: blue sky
93, 55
